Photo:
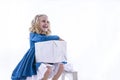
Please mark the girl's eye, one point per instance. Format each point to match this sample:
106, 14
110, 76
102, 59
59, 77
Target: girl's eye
48, 22
43, 20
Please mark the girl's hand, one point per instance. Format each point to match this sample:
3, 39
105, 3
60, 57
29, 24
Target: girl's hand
61, 39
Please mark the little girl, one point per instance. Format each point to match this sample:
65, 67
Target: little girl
28, 69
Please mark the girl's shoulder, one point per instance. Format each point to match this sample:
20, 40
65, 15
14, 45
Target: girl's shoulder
36, 34
32, 33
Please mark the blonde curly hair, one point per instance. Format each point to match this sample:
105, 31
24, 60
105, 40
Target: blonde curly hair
35, 25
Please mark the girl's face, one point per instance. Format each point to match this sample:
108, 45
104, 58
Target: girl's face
44, 23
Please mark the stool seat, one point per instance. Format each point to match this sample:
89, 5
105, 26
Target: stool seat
73, 73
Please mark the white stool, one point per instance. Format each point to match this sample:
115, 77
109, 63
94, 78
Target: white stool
74, 75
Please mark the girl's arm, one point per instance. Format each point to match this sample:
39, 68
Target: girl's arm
37, 38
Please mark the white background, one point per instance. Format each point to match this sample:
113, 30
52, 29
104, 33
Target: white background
90, 27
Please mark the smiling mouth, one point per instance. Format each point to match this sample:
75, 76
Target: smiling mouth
45, 26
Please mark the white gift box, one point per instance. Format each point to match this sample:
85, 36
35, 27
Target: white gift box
53, 51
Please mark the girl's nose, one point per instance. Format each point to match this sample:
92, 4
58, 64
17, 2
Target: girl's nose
46, 22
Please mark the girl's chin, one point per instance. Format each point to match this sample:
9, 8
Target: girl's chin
45, 30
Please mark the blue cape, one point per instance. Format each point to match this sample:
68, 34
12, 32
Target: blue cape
28, 66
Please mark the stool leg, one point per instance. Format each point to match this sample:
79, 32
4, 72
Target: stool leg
63, 76
75, 76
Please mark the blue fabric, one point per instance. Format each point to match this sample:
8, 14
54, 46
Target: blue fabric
28, 66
